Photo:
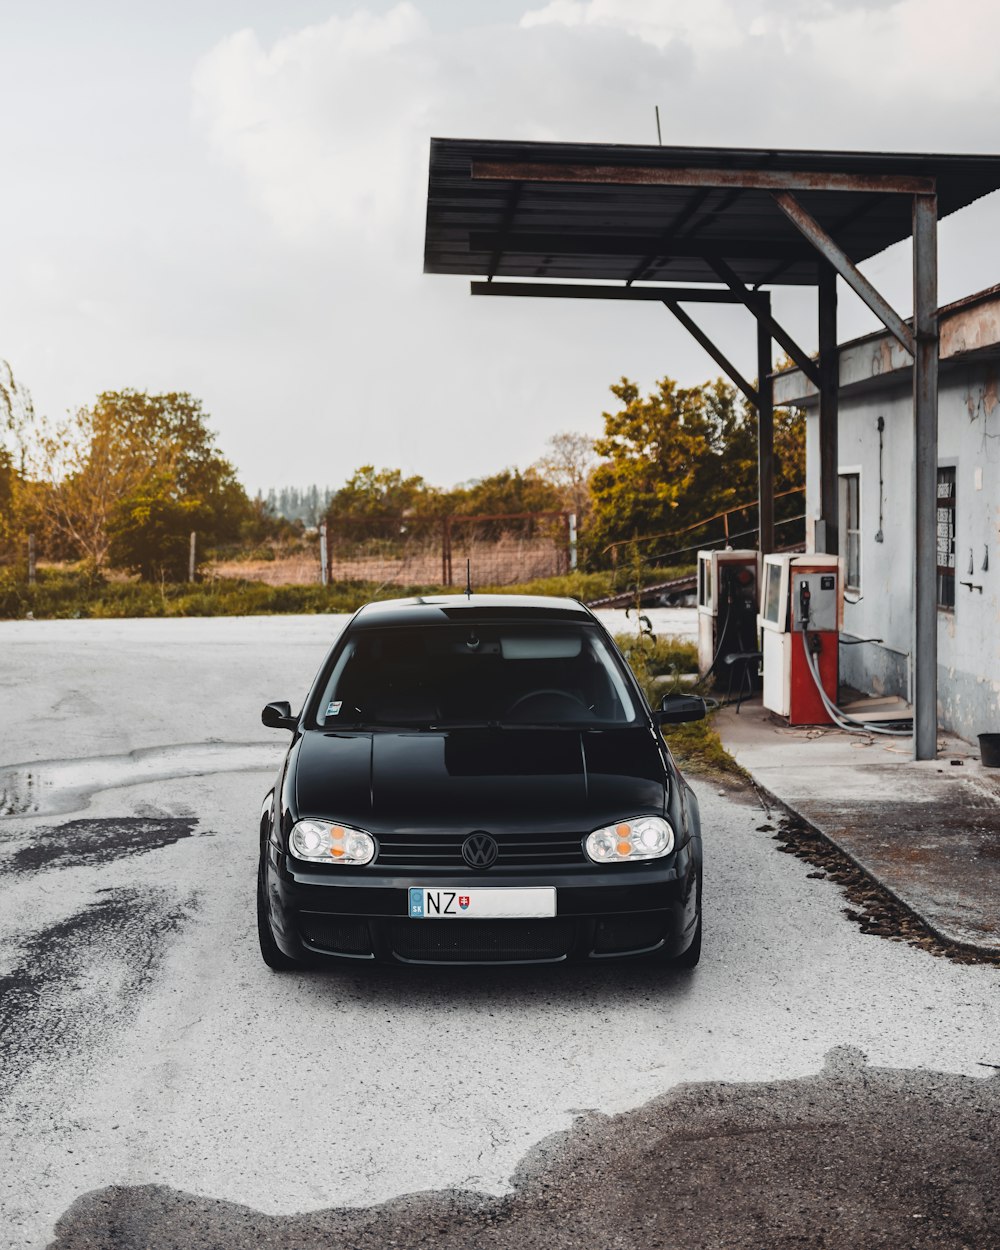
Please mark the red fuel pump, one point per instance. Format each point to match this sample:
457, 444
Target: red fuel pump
800, 624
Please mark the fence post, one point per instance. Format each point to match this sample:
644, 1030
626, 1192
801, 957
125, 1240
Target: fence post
446, 552
324, 562
192, 555
572, 542
32, 560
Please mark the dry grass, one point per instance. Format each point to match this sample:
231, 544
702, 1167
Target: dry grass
300, 570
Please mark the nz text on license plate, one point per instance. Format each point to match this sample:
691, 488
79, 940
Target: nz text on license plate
479, 903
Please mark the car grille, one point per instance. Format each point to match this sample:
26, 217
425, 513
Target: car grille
444, 850
481, 941
339, 934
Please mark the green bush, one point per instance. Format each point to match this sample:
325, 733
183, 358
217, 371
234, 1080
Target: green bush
696, 746
77, 590
652, 658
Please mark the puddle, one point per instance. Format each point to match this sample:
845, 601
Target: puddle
83, 843
51, 787
854, 1156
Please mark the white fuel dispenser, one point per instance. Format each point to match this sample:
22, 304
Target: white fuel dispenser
801, 619
728, 602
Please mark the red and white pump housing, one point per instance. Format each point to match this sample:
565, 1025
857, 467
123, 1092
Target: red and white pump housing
802, 614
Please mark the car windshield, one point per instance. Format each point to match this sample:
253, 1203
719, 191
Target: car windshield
471, 675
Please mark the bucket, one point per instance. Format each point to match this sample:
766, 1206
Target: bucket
989, 750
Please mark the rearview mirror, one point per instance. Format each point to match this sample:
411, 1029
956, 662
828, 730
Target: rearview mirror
279, 716
675, 709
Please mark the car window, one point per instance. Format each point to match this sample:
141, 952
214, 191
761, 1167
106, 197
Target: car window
486, 673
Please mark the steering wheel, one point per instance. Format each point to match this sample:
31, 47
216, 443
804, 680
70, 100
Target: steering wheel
547, 692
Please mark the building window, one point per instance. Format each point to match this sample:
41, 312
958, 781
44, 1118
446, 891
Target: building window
946, 538
850, 543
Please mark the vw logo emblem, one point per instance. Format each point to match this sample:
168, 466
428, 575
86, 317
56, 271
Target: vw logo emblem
479, 850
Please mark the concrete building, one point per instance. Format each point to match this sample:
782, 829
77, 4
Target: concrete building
875, 465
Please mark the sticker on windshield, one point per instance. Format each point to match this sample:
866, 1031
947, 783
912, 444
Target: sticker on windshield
333, 709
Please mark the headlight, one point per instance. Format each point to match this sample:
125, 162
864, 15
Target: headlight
644, 837
323, 842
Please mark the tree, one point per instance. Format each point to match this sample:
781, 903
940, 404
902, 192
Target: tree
654, 454
377, 494
150, 531
17, 417
8, 480
568, 464
121, 448
508, 491
681, 455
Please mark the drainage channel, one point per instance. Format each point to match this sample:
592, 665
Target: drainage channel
49, 787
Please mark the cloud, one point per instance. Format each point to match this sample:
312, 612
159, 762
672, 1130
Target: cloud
873, 49
327, 127
322, 124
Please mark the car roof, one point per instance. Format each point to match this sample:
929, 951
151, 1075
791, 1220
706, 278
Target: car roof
441, 609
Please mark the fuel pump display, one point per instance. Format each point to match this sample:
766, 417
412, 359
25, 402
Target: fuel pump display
800, 624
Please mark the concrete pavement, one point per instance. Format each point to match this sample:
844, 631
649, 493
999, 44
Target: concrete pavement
160, 1087
927, 831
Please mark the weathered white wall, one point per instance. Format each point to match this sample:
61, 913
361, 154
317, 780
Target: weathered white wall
969, 637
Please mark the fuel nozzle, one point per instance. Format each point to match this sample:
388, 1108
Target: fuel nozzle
805, 598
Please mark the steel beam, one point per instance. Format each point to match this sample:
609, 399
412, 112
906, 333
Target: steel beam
765, 435
722, 361
505, 224
570, 290
862, 209
801, 358
853, 276
680, 221
557, 242
659, 176
925, 453
829, 398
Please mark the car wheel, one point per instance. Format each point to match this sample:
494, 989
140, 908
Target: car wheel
693, 953
270, 951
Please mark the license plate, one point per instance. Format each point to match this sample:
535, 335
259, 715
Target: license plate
482, 903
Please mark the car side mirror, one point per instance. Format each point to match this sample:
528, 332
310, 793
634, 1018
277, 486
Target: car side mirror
676, 709
279, 716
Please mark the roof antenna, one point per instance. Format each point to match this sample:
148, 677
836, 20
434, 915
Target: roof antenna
468, 578
659, 137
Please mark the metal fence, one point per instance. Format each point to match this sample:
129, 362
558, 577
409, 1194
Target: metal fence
419, 551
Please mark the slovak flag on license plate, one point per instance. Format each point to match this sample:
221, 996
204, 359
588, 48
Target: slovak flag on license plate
463, 901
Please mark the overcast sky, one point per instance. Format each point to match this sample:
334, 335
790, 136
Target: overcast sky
228, 198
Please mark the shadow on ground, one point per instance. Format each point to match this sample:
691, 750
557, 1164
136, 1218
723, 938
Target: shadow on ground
854, 1156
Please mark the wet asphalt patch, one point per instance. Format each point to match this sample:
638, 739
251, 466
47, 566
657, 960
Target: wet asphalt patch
83, 843
871, 906
854, 1156
77, 980
51, 787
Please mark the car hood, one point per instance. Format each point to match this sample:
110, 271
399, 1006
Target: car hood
474, 779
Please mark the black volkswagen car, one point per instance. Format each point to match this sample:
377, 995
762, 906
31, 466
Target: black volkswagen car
477, 780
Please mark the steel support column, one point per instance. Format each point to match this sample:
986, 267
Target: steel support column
765, 433
925, 451
829, 398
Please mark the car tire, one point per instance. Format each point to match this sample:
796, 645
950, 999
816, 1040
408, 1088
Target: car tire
270, 951
689, 959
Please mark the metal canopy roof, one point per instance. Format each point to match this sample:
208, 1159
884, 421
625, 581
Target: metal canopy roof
501, 209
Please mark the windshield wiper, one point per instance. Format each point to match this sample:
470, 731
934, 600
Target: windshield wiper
546, 724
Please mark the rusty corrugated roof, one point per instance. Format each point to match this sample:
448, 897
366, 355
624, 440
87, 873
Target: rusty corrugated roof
511, 227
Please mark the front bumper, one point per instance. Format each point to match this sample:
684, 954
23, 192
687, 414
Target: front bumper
615, 912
